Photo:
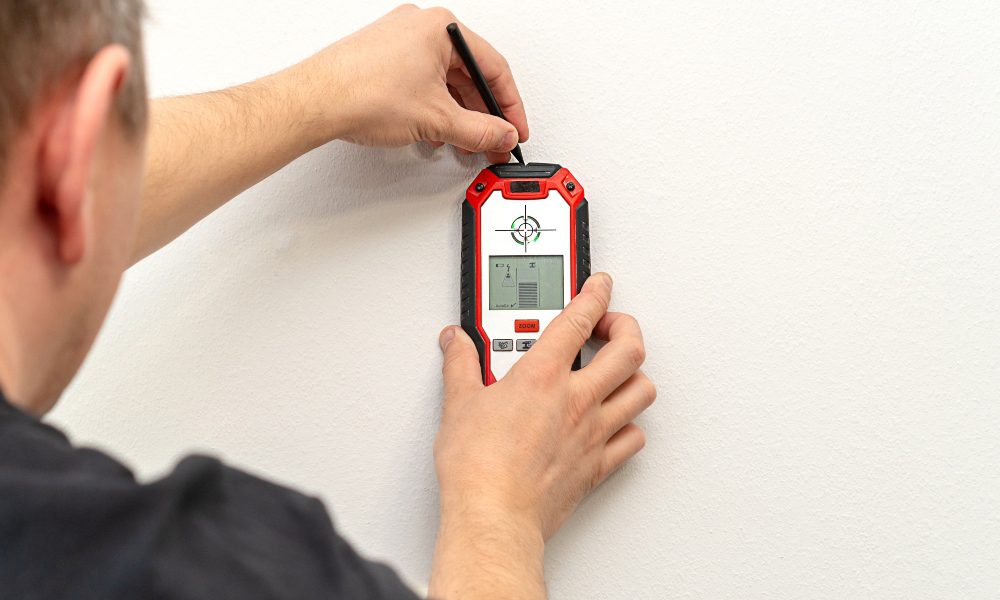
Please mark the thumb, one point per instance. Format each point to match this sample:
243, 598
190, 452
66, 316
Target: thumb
462, 373
478, 132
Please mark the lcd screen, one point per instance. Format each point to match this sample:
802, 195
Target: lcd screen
526, 283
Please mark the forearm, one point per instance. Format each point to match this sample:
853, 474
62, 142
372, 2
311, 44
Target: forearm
487, 555
205, 149
386, 85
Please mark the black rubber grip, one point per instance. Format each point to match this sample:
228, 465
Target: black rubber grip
582, 217
582, 244
468, 283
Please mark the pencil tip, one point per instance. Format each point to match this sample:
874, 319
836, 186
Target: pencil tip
517, 154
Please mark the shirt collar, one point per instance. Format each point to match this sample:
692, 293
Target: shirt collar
6, 406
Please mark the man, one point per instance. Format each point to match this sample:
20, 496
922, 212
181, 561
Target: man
76, 156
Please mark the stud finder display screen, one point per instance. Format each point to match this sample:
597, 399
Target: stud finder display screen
526, 283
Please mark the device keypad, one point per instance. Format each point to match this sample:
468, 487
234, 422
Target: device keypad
527, 326
503, 345
525, 345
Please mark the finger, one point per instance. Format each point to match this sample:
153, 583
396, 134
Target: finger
619, 359
466, 93
458, 100
403, 9
498, 158
476, 131
499, 77
626, 403
568, 332
623, 445
462, 373
467, 96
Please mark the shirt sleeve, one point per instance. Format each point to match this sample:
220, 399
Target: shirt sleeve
259, 538
74, 523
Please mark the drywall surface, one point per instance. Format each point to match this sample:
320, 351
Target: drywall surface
799, 201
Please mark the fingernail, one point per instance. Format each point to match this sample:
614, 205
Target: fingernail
446, 337
509, 139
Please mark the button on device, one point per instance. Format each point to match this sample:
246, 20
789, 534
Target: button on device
503, 345
524, 345
526, 325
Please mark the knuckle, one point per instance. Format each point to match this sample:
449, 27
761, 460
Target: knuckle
579, 325
450, 361
578, 409
648, 390
630, 322
640, 439
484, 137
594, 430
600, 471
441, 13
437, 121
601, 300
635, 352
542, 374
548, 374
594, 390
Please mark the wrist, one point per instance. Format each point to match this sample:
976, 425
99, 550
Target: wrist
315, 101
483, 503
486, 551
481, 514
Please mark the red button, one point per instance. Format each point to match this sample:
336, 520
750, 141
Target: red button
526, 325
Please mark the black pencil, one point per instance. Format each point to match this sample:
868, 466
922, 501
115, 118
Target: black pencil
477, 78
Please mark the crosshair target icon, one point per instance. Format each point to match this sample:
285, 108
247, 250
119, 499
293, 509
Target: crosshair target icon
525, 229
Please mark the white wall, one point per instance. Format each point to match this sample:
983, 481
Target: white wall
799, 200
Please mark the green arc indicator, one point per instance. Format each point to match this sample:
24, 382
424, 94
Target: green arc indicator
522, 228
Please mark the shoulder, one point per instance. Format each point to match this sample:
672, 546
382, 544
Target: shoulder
30, 446
205, 530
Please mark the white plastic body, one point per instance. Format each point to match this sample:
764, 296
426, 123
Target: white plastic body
497, 212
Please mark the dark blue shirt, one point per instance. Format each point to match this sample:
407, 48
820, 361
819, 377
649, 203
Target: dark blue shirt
74, 523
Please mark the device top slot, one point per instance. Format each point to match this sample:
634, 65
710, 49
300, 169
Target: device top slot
528, 171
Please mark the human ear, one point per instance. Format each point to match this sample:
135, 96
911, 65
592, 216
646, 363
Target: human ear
69, 148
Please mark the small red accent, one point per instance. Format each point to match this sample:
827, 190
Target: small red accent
526, 325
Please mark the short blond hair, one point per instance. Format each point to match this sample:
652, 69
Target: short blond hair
44, 41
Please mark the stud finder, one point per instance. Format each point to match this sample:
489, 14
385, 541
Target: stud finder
525, 255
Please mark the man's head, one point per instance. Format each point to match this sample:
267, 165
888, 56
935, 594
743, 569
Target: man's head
72, 135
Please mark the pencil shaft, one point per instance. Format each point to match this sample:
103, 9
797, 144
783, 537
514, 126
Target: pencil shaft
458, 40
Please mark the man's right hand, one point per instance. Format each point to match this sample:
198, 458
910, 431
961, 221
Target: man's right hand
516, 458
399, 81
